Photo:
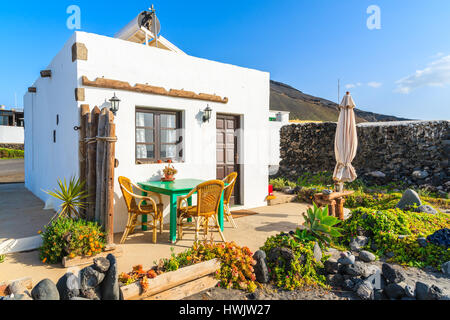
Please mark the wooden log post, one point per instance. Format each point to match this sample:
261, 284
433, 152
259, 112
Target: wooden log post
99, 200
84, 124
110, 135
92, 170
340, 209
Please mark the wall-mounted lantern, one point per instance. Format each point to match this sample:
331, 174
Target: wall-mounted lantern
207, 114
114, 104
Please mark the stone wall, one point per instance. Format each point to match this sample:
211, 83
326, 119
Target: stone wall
415, 152
14, 146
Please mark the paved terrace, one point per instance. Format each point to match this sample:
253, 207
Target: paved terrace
21, 215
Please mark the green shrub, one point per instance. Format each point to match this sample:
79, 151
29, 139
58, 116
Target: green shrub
307, 194
65, 236
379, 201
304, 270
385, 226
11, 154
322, 179
280, 183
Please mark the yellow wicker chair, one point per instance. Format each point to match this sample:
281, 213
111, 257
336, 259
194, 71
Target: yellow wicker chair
136, 209
228, 192
208, 201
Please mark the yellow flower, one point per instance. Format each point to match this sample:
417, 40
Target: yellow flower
39, 232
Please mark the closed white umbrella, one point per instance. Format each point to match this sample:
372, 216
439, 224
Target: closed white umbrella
346, 143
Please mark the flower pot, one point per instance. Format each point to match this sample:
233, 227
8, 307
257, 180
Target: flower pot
168, 178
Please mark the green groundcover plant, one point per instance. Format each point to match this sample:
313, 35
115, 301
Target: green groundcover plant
302, 271
397, 231
69, 237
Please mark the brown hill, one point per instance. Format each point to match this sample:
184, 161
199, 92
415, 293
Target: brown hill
306, 107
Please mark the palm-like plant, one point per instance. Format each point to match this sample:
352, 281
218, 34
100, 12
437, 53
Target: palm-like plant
72, 196
319, 225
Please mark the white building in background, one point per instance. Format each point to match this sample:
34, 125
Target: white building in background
11, 126
235, 138
277, 119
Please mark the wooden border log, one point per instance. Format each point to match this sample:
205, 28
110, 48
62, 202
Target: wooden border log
99, 200
110, 144
92, 158
167, 281
84, 133
186, 290
81, 261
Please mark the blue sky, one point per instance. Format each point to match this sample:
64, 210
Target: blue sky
401, 69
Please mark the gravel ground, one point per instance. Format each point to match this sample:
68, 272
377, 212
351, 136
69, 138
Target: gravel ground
270, 292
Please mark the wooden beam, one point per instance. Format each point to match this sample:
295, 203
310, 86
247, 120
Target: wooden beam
46, 73
79, 52
110, 151
79, 94
169, 280
92, 164
145, 88
100, 168
84, 123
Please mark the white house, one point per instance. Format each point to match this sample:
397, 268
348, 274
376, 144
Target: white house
11, 126
235, 138
277, 119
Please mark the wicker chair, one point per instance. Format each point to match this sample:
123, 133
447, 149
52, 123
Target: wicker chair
208, 201
228, 192
136, 209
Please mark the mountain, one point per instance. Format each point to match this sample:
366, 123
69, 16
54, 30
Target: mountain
306, 107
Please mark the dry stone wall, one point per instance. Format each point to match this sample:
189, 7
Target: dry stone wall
14, 146
415, 152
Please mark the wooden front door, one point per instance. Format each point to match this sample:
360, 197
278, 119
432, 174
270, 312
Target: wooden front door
227, 151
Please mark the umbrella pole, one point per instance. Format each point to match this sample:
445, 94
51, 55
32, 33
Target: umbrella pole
339, 187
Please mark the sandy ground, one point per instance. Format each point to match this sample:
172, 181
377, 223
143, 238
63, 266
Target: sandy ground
23, 219
12, 171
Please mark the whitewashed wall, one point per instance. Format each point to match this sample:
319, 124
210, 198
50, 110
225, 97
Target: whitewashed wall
13, 135
45, 161
274, 135
247, 90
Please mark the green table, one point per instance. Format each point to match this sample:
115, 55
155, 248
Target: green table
174, 190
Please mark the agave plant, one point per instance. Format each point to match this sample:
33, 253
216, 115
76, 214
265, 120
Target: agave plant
72, 196
319, 226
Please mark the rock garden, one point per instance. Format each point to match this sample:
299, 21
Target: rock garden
393, 246
100, 281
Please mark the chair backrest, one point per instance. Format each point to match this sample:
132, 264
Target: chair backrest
228, 192
208, 196
125, 184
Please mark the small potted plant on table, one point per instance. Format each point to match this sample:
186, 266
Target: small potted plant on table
169, 173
